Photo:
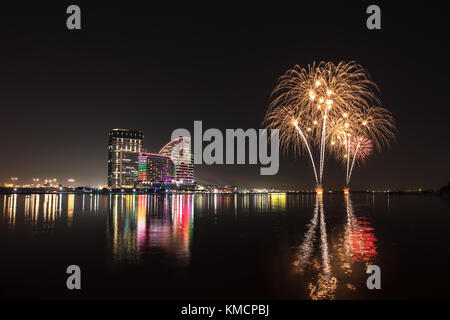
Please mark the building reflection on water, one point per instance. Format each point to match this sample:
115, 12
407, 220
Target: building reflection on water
327, 263
11, 203
335, 248
39, 211
146, 224
44, 212
242, 204
141, 225
135, 224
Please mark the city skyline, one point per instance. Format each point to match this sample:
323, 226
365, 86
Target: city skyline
140, 73
129, 166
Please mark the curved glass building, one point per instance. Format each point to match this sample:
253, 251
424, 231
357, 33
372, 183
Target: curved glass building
180, 151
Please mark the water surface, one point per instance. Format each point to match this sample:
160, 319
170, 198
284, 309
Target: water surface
263, 246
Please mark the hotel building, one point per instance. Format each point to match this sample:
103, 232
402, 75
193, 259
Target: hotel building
155, 168
123, 151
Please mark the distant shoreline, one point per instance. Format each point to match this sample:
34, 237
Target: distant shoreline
64, 190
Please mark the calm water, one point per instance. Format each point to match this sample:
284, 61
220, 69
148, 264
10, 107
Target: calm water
225, 246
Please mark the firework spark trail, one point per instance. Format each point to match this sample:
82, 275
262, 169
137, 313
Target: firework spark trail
347, 147
322, 146
349, 174
363, 149
309, 150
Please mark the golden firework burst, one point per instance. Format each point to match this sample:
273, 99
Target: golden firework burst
325, 107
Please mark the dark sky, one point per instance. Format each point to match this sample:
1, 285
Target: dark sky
154, 68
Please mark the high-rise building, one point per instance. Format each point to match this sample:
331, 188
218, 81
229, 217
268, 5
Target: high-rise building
155, 168
123, 151
180, 151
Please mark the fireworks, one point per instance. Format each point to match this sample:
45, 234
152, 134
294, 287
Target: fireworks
329, 109
360, 148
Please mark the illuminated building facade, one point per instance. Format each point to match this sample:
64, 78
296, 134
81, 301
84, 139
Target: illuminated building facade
155, 168
123, 152
180, 151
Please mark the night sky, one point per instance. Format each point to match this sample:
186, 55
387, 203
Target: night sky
152, 68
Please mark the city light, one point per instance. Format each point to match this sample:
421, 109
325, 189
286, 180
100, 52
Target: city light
71, 182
